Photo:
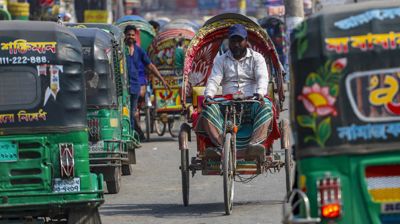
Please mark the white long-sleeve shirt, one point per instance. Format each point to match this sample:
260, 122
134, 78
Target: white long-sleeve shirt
248, 75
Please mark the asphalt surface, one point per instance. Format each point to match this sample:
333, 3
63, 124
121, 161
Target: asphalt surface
153, 193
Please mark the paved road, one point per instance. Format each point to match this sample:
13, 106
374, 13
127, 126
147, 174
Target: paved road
153, 193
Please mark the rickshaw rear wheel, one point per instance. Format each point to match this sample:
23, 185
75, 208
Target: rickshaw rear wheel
185, 175
157, 126
227, 168
114, 185
148, 123
285, 144
170, 127
84, 216
288, 170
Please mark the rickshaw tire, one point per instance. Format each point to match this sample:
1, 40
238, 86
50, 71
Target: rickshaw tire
86, 215
228, 180
114, 185
157, 127
170, 127
185, 176
288, 171
148, 124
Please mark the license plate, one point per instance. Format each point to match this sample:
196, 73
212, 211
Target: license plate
96, 146
390, 208
8, 151
67, 185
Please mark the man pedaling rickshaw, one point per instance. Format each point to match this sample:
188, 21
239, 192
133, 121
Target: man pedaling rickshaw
239, 70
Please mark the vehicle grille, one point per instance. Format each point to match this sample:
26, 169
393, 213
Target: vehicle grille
29, 172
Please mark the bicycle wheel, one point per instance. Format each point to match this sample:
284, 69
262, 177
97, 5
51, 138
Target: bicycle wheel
185, 176
227, 168
157, 125
148, 122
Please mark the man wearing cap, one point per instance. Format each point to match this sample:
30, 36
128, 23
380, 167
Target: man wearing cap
243, 70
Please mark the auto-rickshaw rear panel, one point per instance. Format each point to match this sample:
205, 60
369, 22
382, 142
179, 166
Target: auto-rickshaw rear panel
43, 137
345, 112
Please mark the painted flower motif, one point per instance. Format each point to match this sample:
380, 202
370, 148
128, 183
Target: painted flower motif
338, 65
316, 99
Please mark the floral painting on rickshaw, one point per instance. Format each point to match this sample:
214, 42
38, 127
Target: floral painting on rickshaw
319, 96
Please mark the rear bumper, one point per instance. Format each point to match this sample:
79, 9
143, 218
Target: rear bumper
47, 204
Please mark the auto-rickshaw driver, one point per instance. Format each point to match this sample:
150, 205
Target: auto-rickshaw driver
243, 70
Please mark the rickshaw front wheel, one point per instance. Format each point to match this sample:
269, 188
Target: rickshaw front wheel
148, 123
227, 168
185, 175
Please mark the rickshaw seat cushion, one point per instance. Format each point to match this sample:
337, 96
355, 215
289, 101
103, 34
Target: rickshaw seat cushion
198, 94
245, 131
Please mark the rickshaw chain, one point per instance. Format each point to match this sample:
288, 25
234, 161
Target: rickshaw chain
245, 180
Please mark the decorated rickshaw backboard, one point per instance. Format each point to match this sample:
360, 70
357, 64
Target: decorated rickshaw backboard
346, 80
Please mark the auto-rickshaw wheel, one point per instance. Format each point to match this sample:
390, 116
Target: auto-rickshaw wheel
114, 185
157, 125
227, 169
126, 169
148, 123
84, 215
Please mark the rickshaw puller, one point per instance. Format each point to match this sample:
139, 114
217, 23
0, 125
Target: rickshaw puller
240, 69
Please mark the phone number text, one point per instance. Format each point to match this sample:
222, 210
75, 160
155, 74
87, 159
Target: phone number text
23, 60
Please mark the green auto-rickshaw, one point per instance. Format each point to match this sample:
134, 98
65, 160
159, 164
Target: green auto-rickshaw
345, 111
128, 137
44, 161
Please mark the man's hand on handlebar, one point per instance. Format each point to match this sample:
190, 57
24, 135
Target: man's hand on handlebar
207, 99
258, 97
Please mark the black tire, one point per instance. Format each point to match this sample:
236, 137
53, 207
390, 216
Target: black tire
227, 169
288, 170
157, 125
85, 215
114, 185
148, 123
170, 127
185, 176
126, 169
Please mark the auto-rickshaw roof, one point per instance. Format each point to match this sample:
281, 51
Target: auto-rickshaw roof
343, 20
97, 48
345, 69
43, 64
109, 28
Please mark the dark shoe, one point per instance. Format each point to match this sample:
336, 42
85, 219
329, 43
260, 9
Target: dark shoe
213, 152
255, 151
142, 138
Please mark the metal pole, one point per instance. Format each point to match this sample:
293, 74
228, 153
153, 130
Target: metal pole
242, 7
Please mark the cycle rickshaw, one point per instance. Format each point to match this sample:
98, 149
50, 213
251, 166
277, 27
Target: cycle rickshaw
232, 165
346, 116
167, 104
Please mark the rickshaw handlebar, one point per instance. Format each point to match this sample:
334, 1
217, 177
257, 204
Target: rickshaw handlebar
233, 101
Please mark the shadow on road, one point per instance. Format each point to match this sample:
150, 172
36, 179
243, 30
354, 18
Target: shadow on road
175, 210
